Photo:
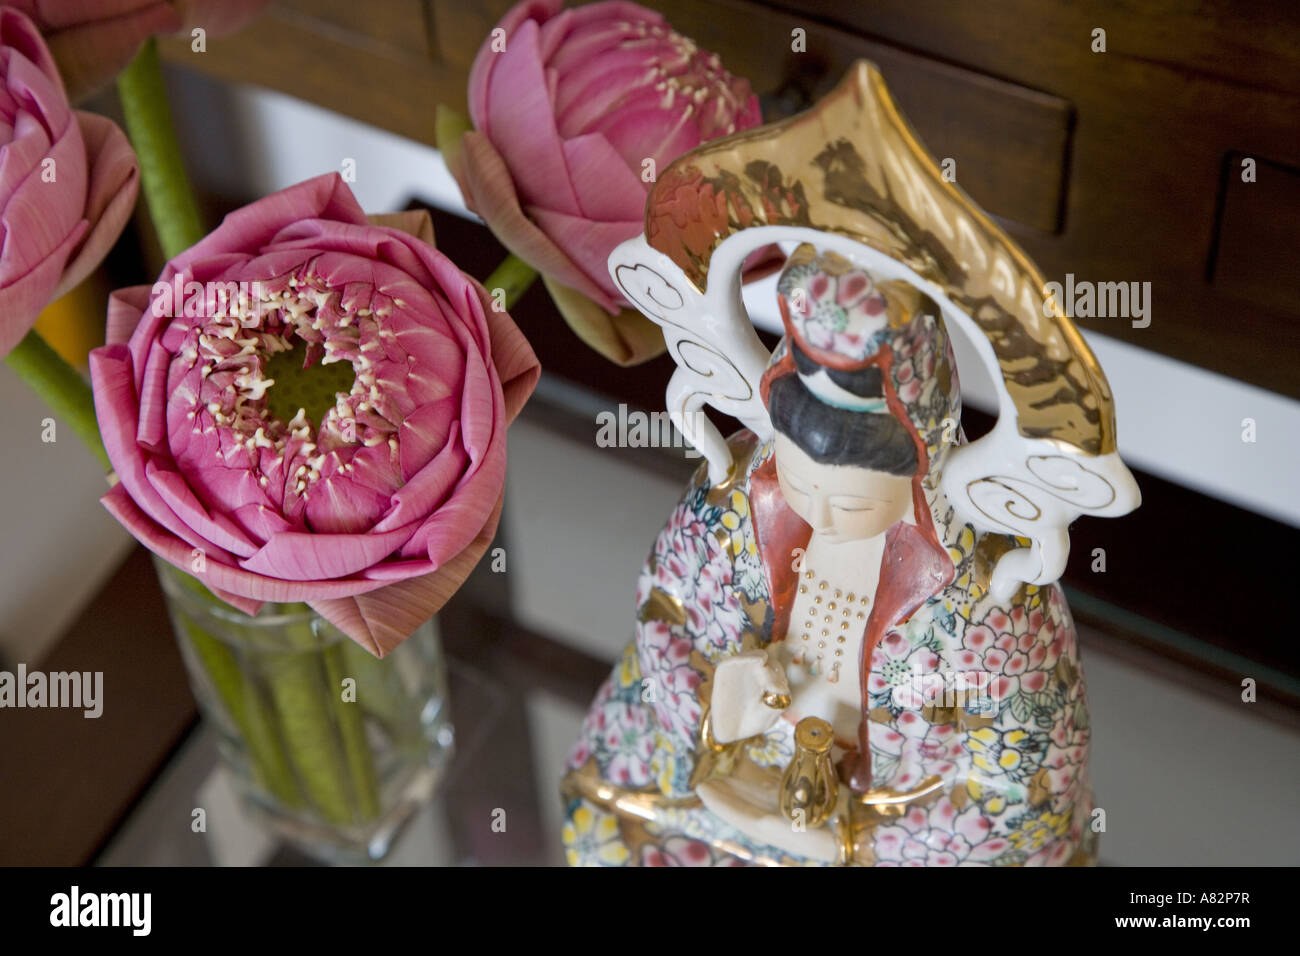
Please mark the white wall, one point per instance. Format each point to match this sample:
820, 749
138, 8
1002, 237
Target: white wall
57, 543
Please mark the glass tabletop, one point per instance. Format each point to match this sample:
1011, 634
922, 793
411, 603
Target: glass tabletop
527, 650
497, 802
1164, 752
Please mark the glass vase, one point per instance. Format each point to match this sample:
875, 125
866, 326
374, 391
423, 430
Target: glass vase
331, 749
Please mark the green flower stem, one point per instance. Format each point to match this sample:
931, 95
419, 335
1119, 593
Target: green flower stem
514, 276
162, 173
240, 693
303, 699
352, 730
61, 388
378, 691
254, 719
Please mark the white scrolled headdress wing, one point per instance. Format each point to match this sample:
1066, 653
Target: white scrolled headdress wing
850, 176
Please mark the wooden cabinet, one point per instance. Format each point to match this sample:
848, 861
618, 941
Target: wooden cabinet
1115, 166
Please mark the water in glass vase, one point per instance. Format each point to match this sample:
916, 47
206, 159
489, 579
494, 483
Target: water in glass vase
330, 748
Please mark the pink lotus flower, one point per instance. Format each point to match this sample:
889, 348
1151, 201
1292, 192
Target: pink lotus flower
67, 182
377, 512
93, 40
570, 109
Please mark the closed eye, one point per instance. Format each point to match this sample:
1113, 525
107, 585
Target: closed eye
854, 504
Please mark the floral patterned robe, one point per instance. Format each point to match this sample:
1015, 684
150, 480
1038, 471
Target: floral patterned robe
1013, 762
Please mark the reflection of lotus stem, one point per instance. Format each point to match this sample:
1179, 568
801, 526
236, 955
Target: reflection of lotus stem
513, 276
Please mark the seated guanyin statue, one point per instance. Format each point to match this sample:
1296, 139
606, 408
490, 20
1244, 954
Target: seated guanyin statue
849, 644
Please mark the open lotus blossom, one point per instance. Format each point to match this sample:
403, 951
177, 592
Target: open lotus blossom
92, 40
244, 456
68, 181
575, 112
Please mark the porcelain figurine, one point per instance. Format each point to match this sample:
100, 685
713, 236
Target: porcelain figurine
849, 644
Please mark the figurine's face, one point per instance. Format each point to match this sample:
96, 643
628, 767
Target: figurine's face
841, 502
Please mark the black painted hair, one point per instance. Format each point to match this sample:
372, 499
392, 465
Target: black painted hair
840, 436
865, 382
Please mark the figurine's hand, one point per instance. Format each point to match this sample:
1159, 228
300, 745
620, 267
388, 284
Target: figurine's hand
749, 694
